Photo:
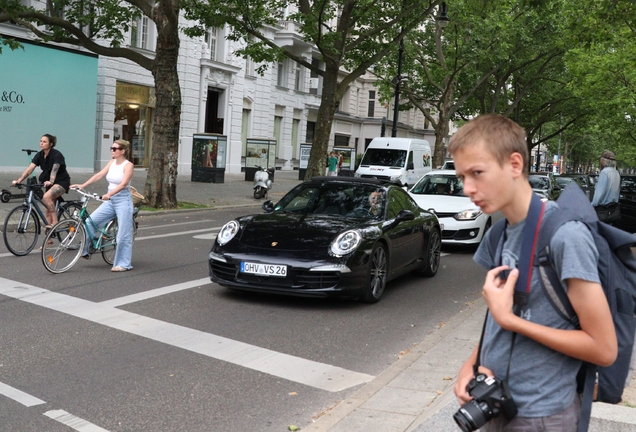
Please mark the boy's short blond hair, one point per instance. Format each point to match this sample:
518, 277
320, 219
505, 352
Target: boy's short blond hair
500, 135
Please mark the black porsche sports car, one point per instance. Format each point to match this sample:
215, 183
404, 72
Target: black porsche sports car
330, 236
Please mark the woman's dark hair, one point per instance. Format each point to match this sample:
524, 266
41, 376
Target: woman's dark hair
52, 139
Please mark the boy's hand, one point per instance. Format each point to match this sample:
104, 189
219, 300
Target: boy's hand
464, 377
499, 294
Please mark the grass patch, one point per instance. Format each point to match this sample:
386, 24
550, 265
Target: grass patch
181, 205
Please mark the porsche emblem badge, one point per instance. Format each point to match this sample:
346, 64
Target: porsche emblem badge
274, 244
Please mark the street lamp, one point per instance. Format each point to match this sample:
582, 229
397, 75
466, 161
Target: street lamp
398, 80
442, 19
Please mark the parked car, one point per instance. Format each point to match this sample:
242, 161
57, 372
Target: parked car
323, 239
448, 165
583, 180
544, 184
627, 202
442, 192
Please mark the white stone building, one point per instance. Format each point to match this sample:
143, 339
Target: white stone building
223, 94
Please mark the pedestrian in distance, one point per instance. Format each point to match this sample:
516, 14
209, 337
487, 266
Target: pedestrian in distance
118, 173
607, 189
534, 350
54, 175
332, 162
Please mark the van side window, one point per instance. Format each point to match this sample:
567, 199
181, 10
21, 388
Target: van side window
409, 164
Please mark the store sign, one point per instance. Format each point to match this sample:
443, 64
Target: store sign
9, 99
132, 93
304, 156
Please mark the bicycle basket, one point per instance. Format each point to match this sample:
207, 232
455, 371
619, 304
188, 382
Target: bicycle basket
137, 198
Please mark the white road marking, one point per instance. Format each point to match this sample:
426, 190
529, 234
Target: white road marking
177, 233
292, 368
73, 422
210, 236
174, 224
19, 396
154, 293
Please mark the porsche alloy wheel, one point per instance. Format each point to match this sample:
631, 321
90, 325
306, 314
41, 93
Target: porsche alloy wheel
376, 274
433, 253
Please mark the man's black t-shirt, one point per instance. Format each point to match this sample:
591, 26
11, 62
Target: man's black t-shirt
46, 164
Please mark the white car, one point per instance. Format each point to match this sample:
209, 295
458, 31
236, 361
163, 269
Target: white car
442, 192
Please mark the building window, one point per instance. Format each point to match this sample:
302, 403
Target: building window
281, 79
249, 67
211, 37
371, 110
299, 78
311, 127
341, 141
344, 105
139, 33
314, 78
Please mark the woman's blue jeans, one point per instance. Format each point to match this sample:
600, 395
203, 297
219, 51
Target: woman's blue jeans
119, 205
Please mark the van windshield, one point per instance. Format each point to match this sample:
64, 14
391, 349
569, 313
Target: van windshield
384, 157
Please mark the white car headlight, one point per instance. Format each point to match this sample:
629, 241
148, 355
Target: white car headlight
346, 242
396, 177
469, 214
227, 232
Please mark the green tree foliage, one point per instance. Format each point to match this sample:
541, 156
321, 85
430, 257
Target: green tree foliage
101, 26
349, 35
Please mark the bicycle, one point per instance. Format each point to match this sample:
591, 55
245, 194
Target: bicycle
64, 244
22, 225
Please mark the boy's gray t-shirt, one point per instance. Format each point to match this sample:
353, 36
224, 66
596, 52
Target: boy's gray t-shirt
542, 381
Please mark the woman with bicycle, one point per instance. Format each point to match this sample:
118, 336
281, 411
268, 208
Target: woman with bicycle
54, 175
118, 173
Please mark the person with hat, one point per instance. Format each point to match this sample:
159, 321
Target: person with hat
607, 188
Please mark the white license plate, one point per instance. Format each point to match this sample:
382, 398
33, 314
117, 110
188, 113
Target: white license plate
264, 269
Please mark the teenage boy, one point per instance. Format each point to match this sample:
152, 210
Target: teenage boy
491, 158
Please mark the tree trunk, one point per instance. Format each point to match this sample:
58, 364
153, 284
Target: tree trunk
441, 131
161, 181
329, 101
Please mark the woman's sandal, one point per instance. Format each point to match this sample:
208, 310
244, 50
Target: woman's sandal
119, 269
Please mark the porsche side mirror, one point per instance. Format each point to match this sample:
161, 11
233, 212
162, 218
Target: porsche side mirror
268, 206
405, 215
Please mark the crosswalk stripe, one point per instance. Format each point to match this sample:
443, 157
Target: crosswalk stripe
292, 368
73, 421
19, 396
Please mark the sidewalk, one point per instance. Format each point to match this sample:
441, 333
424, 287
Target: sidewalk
415, 394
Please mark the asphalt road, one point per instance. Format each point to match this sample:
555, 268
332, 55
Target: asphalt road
161, 348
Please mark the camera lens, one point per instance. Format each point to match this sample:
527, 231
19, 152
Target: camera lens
471, 416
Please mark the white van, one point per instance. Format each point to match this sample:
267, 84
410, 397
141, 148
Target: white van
398, 159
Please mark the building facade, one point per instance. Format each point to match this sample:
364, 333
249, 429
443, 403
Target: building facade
223, 94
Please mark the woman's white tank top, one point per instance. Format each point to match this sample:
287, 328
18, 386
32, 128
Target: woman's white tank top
116, 174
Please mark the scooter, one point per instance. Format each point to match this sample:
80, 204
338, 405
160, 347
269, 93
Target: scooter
6, 195
262, 183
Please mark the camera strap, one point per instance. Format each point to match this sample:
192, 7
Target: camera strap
525, 265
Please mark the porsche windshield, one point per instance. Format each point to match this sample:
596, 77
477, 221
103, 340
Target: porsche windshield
335, 199
384, 157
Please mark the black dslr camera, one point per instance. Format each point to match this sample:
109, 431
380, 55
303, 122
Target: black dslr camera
491, 397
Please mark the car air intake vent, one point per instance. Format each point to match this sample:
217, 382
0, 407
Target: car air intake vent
379, 177
445, 215
316, 280
223, 270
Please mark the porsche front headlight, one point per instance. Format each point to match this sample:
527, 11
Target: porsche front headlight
346, 242
470, 214
227, 232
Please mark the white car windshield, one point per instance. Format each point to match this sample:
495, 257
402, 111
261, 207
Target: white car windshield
439, 185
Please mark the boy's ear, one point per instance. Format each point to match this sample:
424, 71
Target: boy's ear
516, 163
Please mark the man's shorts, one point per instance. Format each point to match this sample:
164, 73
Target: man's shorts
565, 421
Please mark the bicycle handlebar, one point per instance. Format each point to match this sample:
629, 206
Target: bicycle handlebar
34, 186
88, 195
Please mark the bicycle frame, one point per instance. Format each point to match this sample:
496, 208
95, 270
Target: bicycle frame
96, 242
31, 201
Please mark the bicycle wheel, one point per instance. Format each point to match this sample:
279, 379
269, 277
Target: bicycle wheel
63, 245
21, 229
109, 242
67, 209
